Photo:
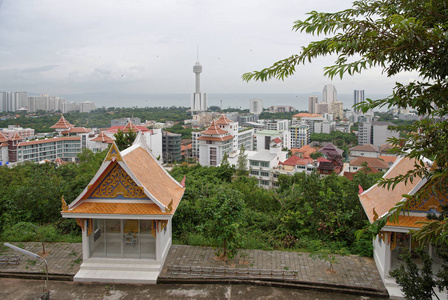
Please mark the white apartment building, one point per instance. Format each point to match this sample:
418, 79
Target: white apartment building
264, 137
12, 101
375, 133
262, 162
86, 106
276, 124
300, 135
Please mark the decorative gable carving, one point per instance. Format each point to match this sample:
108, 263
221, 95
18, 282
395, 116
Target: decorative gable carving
118, 184
114, 153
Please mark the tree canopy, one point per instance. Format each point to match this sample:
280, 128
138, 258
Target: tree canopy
396, 36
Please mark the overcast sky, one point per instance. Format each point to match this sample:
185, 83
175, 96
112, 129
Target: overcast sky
150, 46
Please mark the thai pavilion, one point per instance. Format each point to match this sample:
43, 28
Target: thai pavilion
395, 235
125, 214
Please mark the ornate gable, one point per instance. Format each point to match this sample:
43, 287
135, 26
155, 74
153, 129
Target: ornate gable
429, 205
116, 183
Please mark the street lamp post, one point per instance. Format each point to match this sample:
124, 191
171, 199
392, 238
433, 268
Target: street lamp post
45, 292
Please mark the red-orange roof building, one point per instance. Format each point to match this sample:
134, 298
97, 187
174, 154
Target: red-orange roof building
395, 236
125, 214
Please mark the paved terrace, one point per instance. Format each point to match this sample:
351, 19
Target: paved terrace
188, 264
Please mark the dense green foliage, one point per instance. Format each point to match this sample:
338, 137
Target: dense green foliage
32, 193
123, 139
99, 118
218, 208
305, 213
178, 128
417, 282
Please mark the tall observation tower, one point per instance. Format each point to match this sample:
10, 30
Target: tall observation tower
198, 99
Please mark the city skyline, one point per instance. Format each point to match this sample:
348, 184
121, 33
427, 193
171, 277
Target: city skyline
149, 47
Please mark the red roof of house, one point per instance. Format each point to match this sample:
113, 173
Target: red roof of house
307, 150
277, 140
76, 130
223, 120
16, 137
371, 161
294, 160
388, 158
322, 159
62, 124
217, 138
102, 137
381, 198
3, 138
302, 115
366, 148
185, 147
214, 130
69, 138
135, 128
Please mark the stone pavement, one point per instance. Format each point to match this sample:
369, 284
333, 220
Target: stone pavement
195, 264
62, 258
351, 272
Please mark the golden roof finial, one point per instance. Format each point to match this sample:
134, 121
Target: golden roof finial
375, 215
64, 204
169, 209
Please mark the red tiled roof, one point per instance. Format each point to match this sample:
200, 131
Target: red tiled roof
306, 150
277, 140
366, 147
214, 130
302, 115
4, 145
62, 124
223, 120
3, 138
372, 161
295, 160
154, 177
78, 130
388, 158
136, 128
383, 199
59, 161
70, 138
16, 137
117, 208
322, 159
212, 138
102, 137
185, 147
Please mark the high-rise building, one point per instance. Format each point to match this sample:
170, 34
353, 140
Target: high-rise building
358, 97
312, 102
336, 108
12, 101
322, 108
300, 135
86, 106
256, 106
329, 94
198, 99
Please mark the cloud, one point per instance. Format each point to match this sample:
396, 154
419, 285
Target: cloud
39, 69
